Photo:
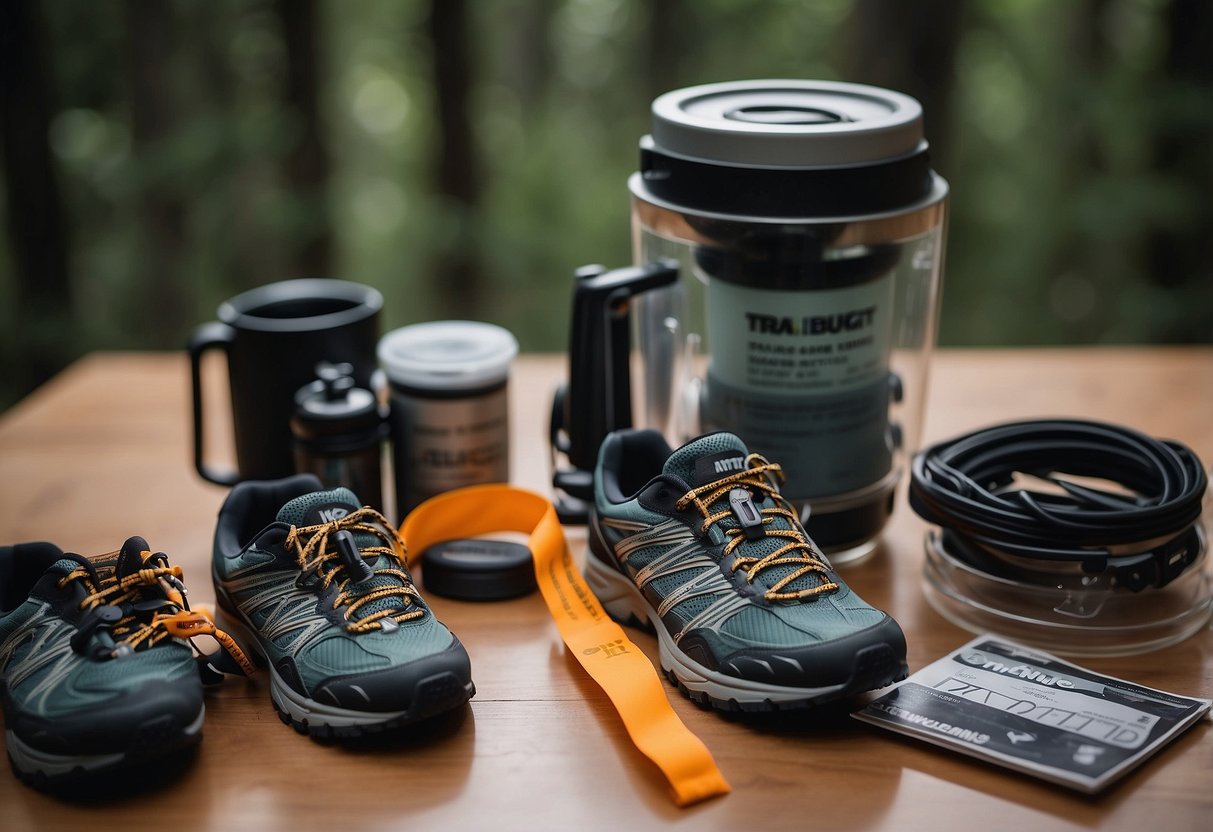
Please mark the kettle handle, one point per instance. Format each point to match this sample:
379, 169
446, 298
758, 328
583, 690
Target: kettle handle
598, 398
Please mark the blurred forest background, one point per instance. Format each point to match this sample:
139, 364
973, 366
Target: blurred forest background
464, 157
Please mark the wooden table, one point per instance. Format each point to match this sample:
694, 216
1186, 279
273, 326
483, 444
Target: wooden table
101, 452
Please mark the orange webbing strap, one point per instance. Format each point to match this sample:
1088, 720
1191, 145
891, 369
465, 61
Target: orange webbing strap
600, 644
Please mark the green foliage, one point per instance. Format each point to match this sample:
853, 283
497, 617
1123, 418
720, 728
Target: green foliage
1062, 187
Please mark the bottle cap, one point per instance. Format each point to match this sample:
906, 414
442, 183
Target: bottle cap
332, 407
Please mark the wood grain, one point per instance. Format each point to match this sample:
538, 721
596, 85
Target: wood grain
102, 452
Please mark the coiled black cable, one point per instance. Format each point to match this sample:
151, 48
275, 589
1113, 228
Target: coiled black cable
1145, 531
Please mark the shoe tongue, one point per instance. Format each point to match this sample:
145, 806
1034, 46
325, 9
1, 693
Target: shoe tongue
130, 560
319, 507
708, 459
114, 566
69, 562
130, 557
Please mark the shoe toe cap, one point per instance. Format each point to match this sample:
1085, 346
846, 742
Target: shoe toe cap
866, 659
439, 677
165, 710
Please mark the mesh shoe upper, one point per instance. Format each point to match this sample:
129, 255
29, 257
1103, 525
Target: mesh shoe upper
723, 594
330, 636
73, 685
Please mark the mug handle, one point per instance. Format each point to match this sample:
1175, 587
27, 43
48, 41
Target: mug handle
209, 336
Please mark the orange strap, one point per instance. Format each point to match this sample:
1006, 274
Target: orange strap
600, 644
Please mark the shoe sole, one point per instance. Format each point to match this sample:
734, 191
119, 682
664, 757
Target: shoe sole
432, 695
874, 667
158, 737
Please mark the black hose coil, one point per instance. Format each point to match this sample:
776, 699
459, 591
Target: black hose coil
1145, 531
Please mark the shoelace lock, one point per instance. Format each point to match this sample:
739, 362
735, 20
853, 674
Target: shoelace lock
110, 627
748, 517
357, 568
93, 637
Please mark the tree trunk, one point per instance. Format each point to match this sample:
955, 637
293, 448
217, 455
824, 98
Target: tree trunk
457, 271
161, 210
911, 48
1181, 259
667, 37
307, 166
36, 347
531, 62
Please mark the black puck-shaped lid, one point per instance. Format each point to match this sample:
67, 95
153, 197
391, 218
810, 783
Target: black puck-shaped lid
475, 569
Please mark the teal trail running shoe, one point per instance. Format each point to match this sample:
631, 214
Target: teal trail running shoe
95, 671
316, 587
749, 615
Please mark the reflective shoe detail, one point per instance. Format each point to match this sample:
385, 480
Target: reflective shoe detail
699, 545
95, 671
322, 595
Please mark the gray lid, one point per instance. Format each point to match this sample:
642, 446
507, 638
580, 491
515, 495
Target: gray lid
786, 122
448, 355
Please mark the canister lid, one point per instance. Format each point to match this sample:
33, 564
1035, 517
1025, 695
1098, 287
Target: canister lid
787, 123
786, 151
448, 355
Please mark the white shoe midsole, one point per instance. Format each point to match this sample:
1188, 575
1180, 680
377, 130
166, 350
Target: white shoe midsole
622, 598
302, 709
299, 707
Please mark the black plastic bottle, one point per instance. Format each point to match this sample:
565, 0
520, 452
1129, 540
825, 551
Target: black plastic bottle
338, 431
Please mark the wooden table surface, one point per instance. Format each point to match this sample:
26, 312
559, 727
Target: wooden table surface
102, 452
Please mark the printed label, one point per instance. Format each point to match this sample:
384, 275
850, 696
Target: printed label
789, 343
443, 444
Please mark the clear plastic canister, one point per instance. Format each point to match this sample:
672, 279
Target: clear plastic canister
810, 231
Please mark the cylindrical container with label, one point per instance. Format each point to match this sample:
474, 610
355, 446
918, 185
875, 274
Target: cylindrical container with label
809, 227
449, 414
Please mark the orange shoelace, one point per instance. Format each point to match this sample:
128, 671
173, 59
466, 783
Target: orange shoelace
798, 552
136, 632
312, 550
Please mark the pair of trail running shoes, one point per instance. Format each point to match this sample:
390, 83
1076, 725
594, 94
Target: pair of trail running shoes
97, 669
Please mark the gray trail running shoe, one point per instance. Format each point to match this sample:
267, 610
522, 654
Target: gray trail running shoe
749, 615
315, 585
95, 671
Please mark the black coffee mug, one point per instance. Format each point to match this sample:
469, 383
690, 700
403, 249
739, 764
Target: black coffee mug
274, 336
